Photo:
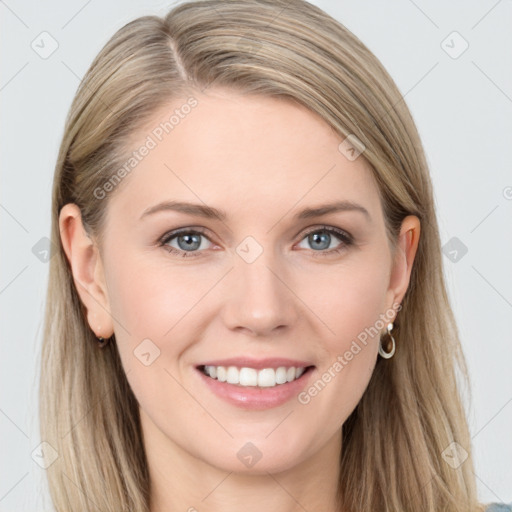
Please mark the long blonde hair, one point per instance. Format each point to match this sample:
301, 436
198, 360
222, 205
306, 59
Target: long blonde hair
412, 410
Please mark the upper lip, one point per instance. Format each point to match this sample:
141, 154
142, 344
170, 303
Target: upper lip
258, 364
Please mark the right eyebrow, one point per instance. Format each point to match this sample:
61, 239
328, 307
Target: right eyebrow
190, 208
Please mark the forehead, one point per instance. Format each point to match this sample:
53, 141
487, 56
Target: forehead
243, 153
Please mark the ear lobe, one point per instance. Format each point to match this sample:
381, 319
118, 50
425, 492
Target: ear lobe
86, 266
407, 246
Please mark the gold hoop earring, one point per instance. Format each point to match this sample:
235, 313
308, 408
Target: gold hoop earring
390, 353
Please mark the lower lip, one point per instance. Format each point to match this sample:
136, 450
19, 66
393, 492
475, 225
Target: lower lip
256, 398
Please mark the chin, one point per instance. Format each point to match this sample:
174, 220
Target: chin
258, 457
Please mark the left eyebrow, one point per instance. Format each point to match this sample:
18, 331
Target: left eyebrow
338, 206
213, 213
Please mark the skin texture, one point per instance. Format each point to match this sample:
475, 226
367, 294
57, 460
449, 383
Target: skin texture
261, 160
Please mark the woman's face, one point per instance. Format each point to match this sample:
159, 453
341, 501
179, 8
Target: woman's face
270, 284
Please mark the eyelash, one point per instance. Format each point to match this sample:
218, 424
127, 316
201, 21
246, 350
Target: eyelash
345, 238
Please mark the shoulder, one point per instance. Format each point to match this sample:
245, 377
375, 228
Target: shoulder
499, 507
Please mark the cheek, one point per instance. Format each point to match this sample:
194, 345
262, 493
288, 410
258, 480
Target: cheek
148, 297
153, 306
350, 298
350, 302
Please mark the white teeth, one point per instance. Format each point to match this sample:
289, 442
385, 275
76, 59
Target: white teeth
233, 375
266, 377
221, 373
281, 375
248, 377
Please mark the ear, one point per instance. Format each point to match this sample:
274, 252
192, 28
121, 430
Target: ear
87, 269
407, 245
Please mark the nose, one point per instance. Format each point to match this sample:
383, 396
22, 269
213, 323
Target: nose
259, 298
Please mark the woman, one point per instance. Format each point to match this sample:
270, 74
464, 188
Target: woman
248, 306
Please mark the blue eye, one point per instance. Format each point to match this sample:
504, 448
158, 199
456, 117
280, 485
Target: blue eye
189, 241
321, 238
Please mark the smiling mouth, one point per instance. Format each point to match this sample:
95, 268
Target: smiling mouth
251, 377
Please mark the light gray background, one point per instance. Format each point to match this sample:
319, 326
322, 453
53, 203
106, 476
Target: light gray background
462, 107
